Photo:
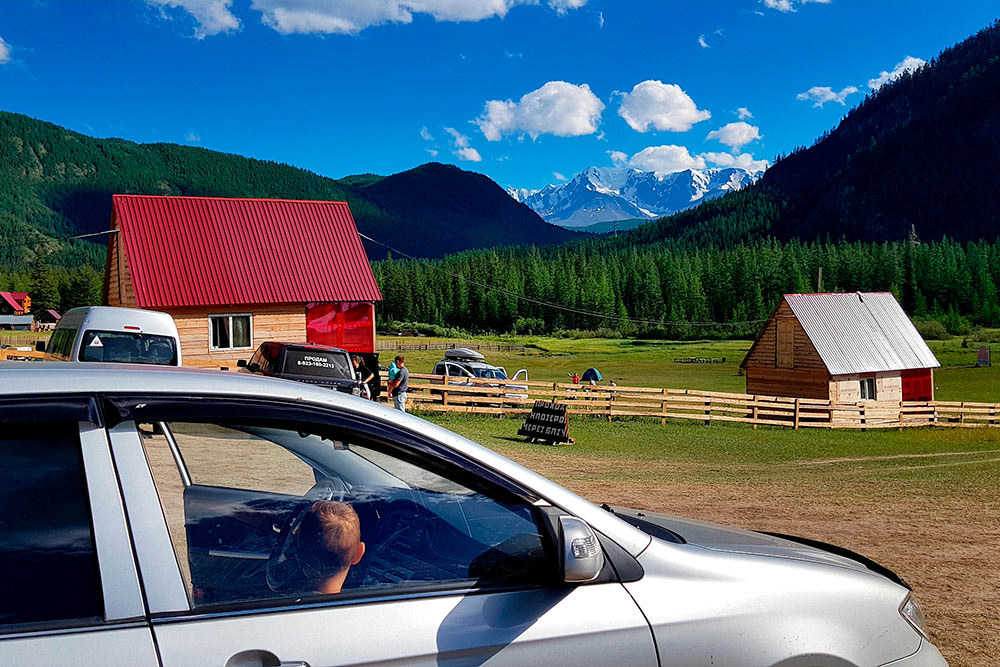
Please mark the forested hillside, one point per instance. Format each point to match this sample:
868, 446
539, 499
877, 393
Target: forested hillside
920, 152
56, 183
671, 290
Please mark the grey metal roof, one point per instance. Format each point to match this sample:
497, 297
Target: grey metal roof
861, 332
16, 320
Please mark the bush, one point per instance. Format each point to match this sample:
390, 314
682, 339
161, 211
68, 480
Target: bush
931, 329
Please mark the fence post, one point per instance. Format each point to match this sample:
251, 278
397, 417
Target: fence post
993, 415
900, 416
754, 415
663, 408
796, 419
864, 415
961, 414
555, 392
708, 411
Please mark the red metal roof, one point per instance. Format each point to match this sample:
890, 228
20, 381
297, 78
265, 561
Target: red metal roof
14, 299
206, 251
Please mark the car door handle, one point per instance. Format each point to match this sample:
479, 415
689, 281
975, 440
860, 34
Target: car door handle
293, 664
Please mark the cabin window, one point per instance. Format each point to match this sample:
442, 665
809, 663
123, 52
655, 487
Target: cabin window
868, 389
231, 332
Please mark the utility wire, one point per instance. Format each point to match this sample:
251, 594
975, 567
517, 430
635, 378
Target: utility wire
49, 239
556, 306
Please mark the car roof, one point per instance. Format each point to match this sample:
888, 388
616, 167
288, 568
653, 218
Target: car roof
20, 378
306, 346
470, 364
114, 318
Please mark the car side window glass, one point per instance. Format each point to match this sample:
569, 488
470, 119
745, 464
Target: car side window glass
47, 554
260, 512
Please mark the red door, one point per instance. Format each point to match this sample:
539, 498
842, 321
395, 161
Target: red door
917, 385
347, 325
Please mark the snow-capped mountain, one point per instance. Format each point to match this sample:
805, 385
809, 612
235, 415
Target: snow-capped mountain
600, 194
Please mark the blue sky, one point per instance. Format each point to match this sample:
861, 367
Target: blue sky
525, 92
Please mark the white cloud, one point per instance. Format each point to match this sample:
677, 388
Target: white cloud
469, 155
4, 52
820, 95
663, 158
461, 148
907, 64
558, 176
425, 134
433, 153
743, 161
663, 106
600, 20
213, 16
557, 108
561, 6
701, 42
789, 5
352, 16
618, 157
744, 113
192, 138
735, 135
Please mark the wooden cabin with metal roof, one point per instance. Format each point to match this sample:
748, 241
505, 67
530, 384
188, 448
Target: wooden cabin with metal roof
846, 348
236, 272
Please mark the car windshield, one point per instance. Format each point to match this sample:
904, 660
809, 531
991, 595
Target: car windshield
318, 363
129, 348
491, 373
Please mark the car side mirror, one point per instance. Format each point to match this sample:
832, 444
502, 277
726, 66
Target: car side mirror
39, 346
582, 555
242, 363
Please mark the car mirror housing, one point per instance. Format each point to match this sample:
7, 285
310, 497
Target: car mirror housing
582, 555
242, 363
40, 346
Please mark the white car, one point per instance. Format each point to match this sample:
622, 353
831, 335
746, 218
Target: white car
109, 334
168, 517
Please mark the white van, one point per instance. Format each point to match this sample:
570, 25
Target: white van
115, 335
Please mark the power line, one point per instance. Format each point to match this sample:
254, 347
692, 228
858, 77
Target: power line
47, 239
556, 306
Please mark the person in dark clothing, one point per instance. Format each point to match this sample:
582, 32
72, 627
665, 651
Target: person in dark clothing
365, 375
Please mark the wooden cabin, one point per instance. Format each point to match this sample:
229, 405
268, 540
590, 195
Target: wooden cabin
846, 348
236, 272
15, 311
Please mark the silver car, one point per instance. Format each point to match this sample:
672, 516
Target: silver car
164, 516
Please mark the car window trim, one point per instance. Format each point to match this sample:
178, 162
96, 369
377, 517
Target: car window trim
115, 559
147, 408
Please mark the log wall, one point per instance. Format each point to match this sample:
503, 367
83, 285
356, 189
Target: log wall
285, 322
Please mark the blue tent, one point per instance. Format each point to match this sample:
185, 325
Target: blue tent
592, 374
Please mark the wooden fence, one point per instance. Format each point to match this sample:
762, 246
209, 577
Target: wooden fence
11, 354
388, 345
431, 393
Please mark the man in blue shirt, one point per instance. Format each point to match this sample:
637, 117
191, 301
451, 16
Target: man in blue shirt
398, 383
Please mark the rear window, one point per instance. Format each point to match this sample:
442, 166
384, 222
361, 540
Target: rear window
128, 348
317, 363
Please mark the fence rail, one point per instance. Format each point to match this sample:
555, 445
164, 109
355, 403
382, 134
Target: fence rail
432, 393
390, 346
11, 354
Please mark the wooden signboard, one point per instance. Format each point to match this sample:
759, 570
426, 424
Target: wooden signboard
983, 357
547, 422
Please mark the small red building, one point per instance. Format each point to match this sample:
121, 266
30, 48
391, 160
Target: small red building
236, 272
847, 347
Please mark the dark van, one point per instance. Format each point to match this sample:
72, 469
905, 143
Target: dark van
304, 362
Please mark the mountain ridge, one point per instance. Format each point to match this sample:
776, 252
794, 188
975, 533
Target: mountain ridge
56, 183
607, 194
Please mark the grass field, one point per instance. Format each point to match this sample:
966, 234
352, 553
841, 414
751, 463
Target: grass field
651, 364
923, 502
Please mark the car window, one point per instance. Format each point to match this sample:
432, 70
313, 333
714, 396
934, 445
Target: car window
260, 511
61, 344
47, 552
317, 363
129, 348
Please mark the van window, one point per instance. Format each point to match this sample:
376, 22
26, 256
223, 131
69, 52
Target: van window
128, 348
61, 344
318, 363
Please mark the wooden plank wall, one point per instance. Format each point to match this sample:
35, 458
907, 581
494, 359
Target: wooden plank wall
119, 290
847, 388
805, 376
285, 322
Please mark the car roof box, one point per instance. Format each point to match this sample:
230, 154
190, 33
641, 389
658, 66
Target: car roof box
464, 354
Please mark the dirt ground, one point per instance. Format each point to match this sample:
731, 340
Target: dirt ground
945, 546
